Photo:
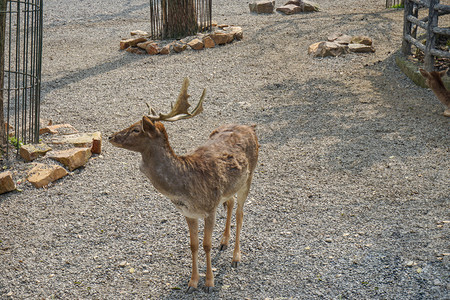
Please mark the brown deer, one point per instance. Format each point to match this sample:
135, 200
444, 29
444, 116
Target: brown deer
434, 81
197, 183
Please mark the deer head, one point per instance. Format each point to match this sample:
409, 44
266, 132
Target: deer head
136, 137
434, 78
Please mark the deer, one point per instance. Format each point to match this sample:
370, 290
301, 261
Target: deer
434, 81
200, 181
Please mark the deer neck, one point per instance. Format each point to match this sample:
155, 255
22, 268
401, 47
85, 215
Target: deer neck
164, 169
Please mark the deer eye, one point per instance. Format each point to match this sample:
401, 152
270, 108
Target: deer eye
136, 130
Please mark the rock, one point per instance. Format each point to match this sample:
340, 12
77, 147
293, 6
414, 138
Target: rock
208, 42
10, 128
262, 7
144, 45
166, 49
41, 175
298, 6
238, 34
72, 158
290, 9
139, 32
96, 147
30, 152
135, 50
221, 38
58, 129
79, 139
309, 6
6, 182
360, 48
196, 44
343, 39
334, 36
123, 263
124, 44
360, 39
179, 47
323, 49
152, 49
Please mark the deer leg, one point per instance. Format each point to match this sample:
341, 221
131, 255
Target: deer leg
241, 197
193, 235
226, 234
207, 245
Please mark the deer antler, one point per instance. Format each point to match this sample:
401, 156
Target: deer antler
180, 109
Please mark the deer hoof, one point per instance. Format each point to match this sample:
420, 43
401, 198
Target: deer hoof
234, 264
208, 289
190, 290
223, 247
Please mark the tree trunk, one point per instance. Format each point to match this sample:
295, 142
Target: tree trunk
179, 18
2, 71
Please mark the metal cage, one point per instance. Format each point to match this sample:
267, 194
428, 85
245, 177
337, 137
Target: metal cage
20, 67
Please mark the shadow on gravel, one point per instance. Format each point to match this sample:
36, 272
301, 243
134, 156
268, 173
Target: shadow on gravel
74, 77
124, 13
218, 281
358, 129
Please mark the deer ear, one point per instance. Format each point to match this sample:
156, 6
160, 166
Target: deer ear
147, 125
443, 72
424, 73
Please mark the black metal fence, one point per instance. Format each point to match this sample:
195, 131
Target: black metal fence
161, 16
21, 26
430, 24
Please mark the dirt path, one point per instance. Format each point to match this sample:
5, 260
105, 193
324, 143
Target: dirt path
348, 201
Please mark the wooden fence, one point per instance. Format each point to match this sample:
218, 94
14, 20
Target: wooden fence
429, 24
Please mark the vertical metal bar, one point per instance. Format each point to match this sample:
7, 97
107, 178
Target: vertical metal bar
38, 69
8, 114
33, 47
3, 131
25, 73
17, 76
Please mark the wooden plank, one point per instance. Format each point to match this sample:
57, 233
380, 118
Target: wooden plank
406, 44
417, 22
431, 37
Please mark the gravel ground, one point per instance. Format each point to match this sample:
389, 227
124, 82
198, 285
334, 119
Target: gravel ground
348, 200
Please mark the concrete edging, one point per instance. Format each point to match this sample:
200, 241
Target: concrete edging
411, 69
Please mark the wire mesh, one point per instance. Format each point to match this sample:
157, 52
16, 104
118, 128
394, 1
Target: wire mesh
162, 16
21, 66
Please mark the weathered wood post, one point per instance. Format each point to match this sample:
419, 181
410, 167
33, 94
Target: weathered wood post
2, 72
431, 37
406, 45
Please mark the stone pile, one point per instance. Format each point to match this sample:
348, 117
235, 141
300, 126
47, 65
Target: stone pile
63, 144
338, 44
140, 43
291, 7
